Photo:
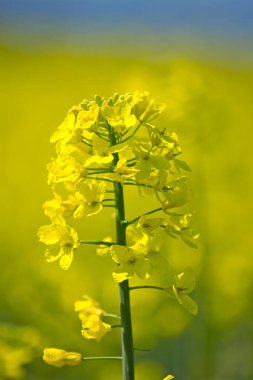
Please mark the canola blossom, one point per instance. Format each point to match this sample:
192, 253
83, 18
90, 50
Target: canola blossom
90, 313
102, 147
59, 358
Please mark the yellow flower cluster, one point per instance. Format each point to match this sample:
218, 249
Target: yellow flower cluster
90, 314
101, 146
110, 140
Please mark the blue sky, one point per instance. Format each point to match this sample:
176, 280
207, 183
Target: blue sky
86, 23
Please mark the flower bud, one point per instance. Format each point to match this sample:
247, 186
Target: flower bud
60, 358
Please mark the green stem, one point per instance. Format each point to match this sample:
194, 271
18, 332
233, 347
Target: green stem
103, 358
138, 217
132, 134
111, 315
146, 287
125, 310
97, 242
99, 169
99, 172
138, 184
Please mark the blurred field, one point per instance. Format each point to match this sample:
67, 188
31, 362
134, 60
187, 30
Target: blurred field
210, 107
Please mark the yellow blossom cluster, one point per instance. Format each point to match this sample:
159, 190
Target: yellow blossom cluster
114, 140
103, 146
90, 314
83, 173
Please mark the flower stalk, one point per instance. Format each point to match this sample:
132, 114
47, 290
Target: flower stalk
102, 358
125, 309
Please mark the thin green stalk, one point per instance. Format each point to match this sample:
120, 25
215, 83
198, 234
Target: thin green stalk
138, 184
99, 169
102, 358
125, 310
97, 242
132, 134
111, 315
146, 287
131, 164
138, 217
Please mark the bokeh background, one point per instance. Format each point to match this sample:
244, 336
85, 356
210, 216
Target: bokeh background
197, 57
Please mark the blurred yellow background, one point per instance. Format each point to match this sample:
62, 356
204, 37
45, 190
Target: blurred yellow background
210, 108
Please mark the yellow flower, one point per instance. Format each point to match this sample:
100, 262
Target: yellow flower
94, 328
60, 358
176, 193
148, 158
180, 227
103, 152
87, 307
184, 283
119, 115
57, 209
64, 168
149, 225
67, 129
87, 118
130, 261
104, 249
122, 171
61, 241
144, 107
89, 196
169, 377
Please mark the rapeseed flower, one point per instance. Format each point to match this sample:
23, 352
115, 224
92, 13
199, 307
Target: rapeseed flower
87, 307
120, 115
94, 328
89, 197
64, 168
61, 241
59, 358
184, 283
